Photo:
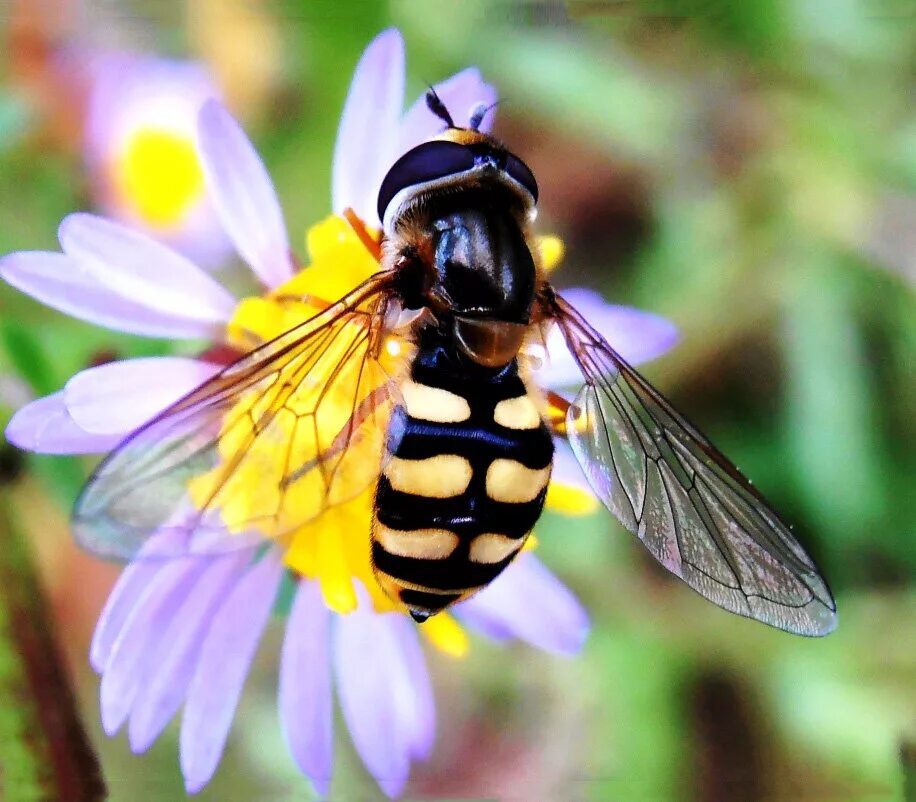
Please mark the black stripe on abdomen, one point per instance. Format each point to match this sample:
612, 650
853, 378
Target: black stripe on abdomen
462, 515
438, 535
455, 573
420, 599
479, 443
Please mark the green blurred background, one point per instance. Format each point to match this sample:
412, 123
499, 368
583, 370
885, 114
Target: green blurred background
747, 169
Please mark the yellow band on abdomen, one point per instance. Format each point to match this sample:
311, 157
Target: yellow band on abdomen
442, 476
492, 547
421, 544
434, 404
517, 413
510, 481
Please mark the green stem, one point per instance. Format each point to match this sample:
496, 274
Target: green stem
44, 751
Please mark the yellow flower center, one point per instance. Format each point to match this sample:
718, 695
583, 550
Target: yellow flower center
158, 175
332, 547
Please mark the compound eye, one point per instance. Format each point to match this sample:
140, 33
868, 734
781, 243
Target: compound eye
521, 172
426, 162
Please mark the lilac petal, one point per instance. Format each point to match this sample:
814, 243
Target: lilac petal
305, 701
637, 336
168, 681
367, 138
244, 195
78, 289
45, 426
140, 268
225, 657
533, 604
481, 620
131, 585
387, 723
140, 638
418, 690
124, 597
120, 396
460, 94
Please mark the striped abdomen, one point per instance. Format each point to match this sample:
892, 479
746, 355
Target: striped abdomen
464, 482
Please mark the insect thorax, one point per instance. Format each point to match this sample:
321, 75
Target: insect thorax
464, 479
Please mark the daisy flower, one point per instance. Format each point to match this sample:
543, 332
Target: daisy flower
140, 153
181, 633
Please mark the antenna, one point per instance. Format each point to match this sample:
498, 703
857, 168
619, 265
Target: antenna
478, 112
436, 106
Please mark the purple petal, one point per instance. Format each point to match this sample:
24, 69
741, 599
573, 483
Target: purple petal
243, 195
137, 645
417, 691
45, 426
164, 691
305, 701
78, 289
367, 138
226, 654
130, 587
532, 604
460, 94
120, 396
481, 620
637, 336
138, 267
388, 720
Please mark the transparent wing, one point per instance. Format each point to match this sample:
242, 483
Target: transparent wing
692, 509
269, 443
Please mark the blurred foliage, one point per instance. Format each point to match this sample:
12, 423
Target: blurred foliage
44, 750
730, 165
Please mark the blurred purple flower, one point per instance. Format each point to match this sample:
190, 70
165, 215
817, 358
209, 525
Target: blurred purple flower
184, 631
139, 149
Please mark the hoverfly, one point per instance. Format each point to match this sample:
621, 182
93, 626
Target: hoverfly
449, 426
